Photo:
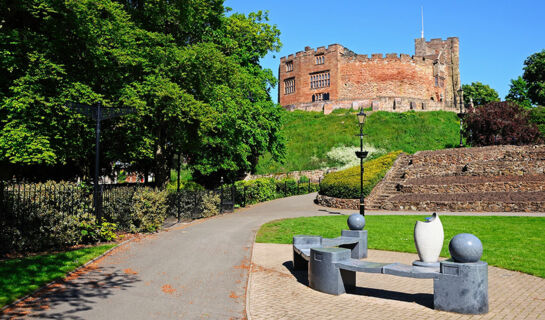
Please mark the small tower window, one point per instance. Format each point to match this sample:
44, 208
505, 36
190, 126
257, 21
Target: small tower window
289, 66
320, 59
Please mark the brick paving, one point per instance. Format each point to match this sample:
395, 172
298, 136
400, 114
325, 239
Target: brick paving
275, 291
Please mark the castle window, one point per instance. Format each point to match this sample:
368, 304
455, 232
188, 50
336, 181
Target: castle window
320, 97
289, 86
289, 66
319, 80
320, 59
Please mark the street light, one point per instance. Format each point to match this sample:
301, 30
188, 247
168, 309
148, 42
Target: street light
361, 154
461, 113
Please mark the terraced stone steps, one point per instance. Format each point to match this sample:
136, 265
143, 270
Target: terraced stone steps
498, 178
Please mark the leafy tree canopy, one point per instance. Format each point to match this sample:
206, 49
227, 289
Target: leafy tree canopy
480, 93
499, 123
191, 73
534, 75
518, 92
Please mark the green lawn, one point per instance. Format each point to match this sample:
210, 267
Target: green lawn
22, 276
310, 135
515, 243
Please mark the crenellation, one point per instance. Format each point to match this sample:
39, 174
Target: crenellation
392, 56
377, 56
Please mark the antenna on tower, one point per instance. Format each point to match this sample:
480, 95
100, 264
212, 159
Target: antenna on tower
422, 14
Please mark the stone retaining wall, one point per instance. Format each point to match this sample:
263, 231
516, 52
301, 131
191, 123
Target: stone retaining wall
457, 206
313, 175
475, 187
338, 202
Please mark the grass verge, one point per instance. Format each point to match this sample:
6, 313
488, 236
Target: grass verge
514, 243
19, 277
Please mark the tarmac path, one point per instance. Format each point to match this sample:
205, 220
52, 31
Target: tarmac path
190, 271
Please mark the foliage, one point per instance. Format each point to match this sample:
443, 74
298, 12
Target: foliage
31, 226
480, 93
264, 189
211, 204
190, 73
537, 117
524, 253
150, 210
92, 232
518, 92
23, 275
345, 156
500, 123
534, 75
311, 135
346, 183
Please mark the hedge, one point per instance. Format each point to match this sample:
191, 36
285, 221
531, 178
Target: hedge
346, 183
264, 189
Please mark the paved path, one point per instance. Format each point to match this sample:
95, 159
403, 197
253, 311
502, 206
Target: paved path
194, 271
276, 291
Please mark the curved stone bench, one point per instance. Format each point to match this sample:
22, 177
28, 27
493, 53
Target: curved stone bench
458, 287
354, 240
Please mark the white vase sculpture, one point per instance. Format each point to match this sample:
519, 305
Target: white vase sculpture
428, 238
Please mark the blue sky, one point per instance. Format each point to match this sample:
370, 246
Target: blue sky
495, 36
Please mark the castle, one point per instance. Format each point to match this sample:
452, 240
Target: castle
335, 77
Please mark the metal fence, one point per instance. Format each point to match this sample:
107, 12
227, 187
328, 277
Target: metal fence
71, 199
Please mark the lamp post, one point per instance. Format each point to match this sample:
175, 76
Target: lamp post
461, 113
361, 154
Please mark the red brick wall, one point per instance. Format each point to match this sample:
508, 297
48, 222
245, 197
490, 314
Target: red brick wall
304, 64
360, 78
368, 78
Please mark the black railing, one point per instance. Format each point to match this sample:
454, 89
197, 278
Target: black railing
71, 198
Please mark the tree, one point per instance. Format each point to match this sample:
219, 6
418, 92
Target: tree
499, 123
518, 93
191, 73
534, 75
537, 117
480, 93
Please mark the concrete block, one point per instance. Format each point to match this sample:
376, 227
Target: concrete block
462, 287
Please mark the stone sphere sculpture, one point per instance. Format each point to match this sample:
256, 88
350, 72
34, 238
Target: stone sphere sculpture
356, 221
465, 247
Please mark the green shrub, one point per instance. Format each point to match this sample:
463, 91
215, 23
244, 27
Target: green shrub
30, 225
150, 210
537, 116
92, 232
346, 183
210, 204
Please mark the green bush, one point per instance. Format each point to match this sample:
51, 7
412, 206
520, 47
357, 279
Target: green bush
150, 210
92, 232
537, 116
30, 225
264, 189
346, 183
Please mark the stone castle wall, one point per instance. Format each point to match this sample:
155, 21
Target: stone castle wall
426, 81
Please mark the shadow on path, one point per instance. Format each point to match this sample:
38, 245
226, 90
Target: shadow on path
75, 295
423, 299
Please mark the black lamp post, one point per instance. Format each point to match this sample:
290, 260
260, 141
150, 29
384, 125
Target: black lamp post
361, 154
461, 113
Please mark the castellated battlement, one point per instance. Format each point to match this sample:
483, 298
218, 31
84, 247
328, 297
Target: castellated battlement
335, 75
310, 51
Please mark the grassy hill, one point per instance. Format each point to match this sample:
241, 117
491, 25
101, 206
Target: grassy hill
310, 135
